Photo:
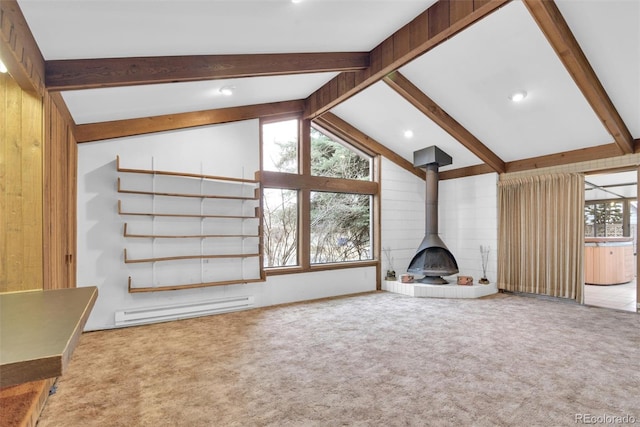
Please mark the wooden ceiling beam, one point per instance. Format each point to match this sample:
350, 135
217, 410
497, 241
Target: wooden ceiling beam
566, 157
429, 108
557, 31
131, 127
344, 130
19, 50
110, 72
441, 21
558, 159
480, 169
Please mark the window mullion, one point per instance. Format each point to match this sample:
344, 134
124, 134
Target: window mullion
304, 236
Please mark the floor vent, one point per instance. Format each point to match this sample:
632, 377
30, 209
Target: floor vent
136, 316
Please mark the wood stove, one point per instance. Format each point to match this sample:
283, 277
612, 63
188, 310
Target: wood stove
432, 259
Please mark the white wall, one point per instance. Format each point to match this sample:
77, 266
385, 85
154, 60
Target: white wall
467, 216
402, 216
224, 150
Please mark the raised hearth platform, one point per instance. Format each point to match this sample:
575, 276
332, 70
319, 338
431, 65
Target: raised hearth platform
450, 290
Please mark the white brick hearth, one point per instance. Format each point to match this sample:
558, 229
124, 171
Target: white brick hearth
450, 290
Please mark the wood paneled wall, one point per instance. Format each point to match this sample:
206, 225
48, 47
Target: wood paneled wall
61, 156
37, 167
21, 165
38, 191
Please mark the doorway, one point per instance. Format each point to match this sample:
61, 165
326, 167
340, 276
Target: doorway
611, 240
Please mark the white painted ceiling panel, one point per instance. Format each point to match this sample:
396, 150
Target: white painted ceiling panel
101, 105
473, 75
609, 34
71, 29
383, 115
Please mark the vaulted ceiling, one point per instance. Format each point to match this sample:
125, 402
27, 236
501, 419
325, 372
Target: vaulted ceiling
373, 68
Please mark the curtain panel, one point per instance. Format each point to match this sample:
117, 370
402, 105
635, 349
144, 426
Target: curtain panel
541, 235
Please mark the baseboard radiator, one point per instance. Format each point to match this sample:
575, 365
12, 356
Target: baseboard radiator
137, 316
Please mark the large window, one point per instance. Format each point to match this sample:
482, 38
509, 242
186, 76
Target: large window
318, 198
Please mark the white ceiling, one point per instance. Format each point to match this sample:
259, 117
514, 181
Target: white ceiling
470, 75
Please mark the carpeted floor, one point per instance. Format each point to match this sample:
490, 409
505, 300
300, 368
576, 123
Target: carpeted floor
376, 359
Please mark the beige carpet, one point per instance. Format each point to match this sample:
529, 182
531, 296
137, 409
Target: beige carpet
377, 359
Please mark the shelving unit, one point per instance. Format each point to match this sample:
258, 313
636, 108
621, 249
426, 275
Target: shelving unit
228, 211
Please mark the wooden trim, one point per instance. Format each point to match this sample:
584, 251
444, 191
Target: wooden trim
19, 50
292, 181
377, 223
304, 195
557, 159
429, 108
426, 31
131, 127
278, 271
57, 99
557, 31
133, 290
77, 74
466, 171
344, 130
611, 170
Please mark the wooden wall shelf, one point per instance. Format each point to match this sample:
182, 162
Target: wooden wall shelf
183, 257
126, 233
211, 225
182, 215
197, 196
140, 289
184, 174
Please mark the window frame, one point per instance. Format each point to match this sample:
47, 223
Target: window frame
305, 183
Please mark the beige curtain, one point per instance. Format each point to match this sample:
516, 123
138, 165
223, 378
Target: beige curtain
541, 235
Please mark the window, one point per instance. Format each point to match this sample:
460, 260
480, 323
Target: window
280, 146
606, 218
333, 159
280, 227
317, 199
340, 227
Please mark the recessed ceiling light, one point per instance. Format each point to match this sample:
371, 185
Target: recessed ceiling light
3, 68
296, 1
518, 96
226, 90
408, 133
